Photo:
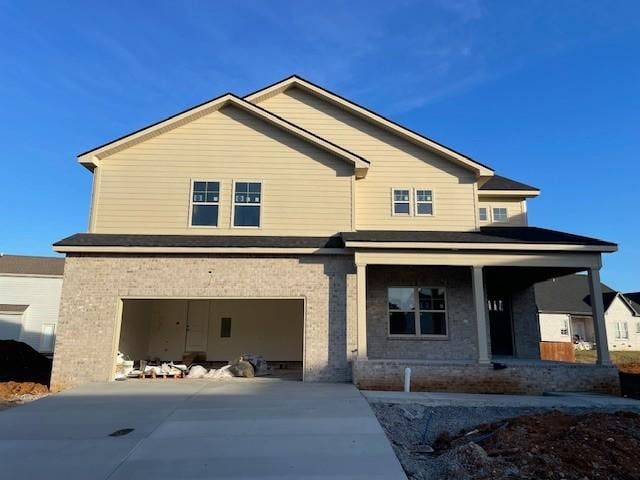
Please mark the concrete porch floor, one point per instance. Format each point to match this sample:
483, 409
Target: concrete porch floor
194, 429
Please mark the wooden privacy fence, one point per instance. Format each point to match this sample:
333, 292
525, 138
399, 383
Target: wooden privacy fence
558, 351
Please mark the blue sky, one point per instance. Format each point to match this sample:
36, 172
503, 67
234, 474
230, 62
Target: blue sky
544, 92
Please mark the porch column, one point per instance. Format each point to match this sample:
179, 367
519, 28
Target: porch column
481, 314
361, 273
597, 311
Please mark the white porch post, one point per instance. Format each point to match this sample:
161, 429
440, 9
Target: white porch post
361, 274
481, 314
597, 311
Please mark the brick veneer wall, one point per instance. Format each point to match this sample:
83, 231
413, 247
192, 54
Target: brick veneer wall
461, 342
532, 379
95, 283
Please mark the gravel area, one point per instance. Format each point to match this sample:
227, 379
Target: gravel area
405, 425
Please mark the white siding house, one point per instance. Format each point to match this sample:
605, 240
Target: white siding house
564, 313
30, 290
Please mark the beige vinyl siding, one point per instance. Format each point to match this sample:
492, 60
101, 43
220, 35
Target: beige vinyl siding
516, 209
146, 188
395, 163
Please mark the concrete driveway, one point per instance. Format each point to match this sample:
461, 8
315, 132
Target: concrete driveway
187, 429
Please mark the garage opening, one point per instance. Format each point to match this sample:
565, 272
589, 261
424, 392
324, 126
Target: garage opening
214, 332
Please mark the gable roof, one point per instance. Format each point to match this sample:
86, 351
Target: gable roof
498, 182
371, 116
569, 294
634, 300
91, 158
29, 265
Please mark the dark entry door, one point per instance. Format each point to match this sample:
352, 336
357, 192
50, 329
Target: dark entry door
500, 323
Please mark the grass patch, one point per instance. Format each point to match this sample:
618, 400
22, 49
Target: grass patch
619, 358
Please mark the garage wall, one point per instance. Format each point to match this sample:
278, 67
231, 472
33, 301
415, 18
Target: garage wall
134, 332
168, 329
271, 328
94, 285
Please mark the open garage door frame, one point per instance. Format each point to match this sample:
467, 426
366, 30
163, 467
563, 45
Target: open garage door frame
122, 300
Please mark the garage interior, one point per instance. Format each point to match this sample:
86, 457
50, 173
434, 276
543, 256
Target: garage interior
216, 330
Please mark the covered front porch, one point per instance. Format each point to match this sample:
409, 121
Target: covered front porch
466, 321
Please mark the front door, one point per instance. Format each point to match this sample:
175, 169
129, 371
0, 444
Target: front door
197, 326
500, 323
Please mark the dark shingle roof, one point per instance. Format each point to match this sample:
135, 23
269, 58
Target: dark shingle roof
117, 240
634, 300
498, 182
524, 235
569, 294
27, 265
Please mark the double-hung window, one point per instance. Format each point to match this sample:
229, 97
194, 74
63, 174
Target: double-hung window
401, 201
417, 311
424, 202
564, 328
622, 331
205, 203
500, 214
482, 214
247, 203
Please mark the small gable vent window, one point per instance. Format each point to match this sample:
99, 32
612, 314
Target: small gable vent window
205, 202
424, 202
401, 202
247, 202
500, 215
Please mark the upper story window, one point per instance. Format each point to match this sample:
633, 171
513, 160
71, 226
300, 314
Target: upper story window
500, 214
483, 214
205, 203
401, 202
424, 202
407, 201
247, 203
417, 311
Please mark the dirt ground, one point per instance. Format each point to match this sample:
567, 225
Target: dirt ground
557, 445
17, 393
24, 374
535, 445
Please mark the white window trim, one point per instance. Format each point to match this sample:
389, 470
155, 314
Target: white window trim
622, 333
233, 204
493, 217
416, 312
432, 202
192, 203
393, 202
486, 220
564, 323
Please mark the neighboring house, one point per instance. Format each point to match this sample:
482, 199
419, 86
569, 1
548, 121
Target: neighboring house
564, 312
299, 225
30, 299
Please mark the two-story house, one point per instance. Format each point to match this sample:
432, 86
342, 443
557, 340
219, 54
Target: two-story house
296, 224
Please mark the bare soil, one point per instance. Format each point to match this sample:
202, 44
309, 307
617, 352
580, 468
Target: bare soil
481, 443
555, 445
